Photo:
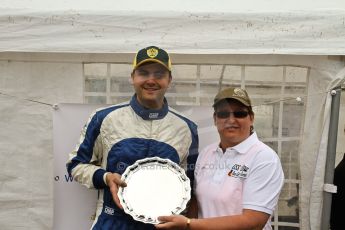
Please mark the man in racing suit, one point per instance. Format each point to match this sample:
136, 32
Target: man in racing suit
116, 136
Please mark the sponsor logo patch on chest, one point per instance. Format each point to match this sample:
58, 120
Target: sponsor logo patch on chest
109, 211
239, 171
153, 115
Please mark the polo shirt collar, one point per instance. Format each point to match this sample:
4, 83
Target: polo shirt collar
244, 146
149, 114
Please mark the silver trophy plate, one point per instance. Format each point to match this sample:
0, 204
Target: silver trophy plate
155, 187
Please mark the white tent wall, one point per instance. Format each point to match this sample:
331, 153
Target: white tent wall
26, 127
314, 148
341, 130
26, 159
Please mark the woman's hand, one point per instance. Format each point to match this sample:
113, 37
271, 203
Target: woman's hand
173, 222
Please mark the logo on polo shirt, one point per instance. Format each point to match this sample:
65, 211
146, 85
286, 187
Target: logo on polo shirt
239, 171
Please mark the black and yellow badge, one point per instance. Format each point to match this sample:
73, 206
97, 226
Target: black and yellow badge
152, 52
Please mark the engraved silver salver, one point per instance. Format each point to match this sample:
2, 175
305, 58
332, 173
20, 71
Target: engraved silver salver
155, 187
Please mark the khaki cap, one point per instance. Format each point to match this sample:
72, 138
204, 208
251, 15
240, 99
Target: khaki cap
238, 94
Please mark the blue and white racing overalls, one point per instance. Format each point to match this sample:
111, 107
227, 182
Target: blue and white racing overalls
117, 136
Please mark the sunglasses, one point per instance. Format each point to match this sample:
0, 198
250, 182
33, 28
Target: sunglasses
236, 114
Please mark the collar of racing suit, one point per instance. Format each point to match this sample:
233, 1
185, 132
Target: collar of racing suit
149, 114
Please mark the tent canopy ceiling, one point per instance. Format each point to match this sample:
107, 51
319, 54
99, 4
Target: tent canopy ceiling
218, 27
176, 5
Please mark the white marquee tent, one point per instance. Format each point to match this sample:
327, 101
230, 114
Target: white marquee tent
45, 44
182, 27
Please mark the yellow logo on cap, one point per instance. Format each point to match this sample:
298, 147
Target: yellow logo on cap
239, 92
153, 52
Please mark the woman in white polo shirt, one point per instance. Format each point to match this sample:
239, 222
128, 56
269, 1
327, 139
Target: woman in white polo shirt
237, 181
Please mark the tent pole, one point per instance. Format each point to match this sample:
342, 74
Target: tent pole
331, 154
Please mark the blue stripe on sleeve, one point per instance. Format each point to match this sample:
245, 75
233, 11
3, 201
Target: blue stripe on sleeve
97, 179
85, 150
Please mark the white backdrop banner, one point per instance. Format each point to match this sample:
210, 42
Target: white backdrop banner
75, 205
